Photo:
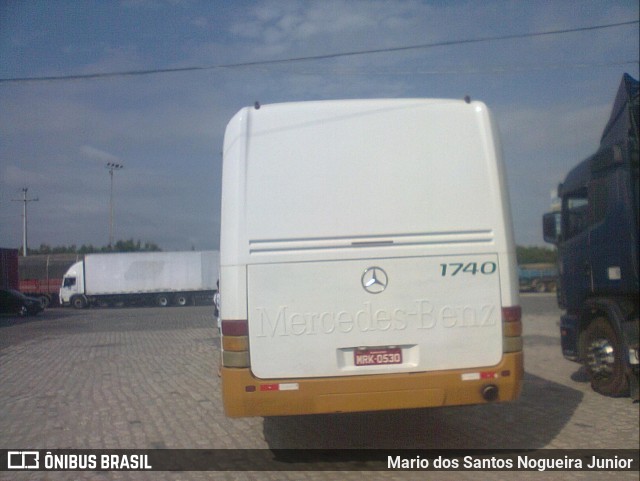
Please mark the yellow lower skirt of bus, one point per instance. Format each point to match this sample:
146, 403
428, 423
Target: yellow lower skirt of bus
246, 395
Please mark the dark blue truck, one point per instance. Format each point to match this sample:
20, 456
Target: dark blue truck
596, 233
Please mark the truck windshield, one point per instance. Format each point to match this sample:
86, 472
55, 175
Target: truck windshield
69, 282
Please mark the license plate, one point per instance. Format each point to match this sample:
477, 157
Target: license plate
375, 357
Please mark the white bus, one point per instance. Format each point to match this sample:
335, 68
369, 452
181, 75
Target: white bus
367, 259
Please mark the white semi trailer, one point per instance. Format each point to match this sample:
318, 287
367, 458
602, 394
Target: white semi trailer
162, 278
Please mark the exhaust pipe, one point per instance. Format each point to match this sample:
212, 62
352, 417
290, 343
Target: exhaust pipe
490, 392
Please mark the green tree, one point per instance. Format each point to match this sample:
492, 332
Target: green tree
87, 249
121, 246
133, 246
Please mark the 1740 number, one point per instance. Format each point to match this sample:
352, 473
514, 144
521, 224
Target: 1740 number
455, 268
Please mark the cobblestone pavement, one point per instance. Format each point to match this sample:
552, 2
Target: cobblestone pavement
146, 378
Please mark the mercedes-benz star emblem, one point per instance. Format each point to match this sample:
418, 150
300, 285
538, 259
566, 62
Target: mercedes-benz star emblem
374, 280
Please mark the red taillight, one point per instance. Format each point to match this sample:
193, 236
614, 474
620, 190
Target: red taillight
235, 343
512, 329
235, 327
512, 314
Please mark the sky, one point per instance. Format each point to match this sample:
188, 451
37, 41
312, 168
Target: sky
551, 95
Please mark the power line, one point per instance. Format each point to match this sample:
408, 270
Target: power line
487, 69
130, 73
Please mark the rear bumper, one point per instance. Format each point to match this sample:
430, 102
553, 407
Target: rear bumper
246, 395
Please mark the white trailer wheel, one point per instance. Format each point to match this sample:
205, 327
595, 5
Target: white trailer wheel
182, 300
162, 300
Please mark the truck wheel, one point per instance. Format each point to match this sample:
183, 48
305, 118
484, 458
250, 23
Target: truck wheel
181, 300
44, 301
603, 359
162, 300
79, 302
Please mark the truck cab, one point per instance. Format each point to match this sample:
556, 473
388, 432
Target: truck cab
596, 233
72, 288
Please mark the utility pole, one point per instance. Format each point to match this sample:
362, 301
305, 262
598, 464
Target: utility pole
112, 166
24, 200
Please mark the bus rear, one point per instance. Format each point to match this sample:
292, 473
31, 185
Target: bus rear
367, 259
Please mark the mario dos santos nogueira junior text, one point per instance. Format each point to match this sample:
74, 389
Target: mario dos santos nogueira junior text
519, 462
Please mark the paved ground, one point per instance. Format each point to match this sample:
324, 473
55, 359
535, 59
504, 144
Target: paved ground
146, 378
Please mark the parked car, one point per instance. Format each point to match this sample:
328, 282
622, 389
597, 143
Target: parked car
14, 302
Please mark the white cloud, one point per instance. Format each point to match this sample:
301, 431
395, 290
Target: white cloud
18, 176
548, 134
99, 155
277, 27
200, 22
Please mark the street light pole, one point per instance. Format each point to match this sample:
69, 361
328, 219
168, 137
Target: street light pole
24, 200
112, 166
